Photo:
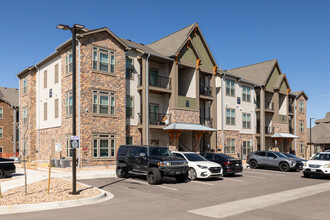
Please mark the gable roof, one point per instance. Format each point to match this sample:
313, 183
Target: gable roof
257, 73
299, 93
140, 46
280, 80
324, 120
320, 134
9, 95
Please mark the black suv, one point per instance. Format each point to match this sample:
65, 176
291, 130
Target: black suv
154, 161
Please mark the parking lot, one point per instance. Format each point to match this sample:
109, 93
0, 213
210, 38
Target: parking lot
253, 194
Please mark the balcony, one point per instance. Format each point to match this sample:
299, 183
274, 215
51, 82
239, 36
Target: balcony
157, 118
269, 105
291, 109
157, 81
206, 121
268, 130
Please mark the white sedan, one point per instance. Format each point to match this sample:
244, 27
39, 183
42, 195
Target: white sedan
319, 164
199, 167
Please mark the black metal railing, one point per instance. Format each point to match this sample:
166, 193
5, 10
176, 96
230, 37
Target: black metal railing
205, 90
157, 81
157, 118
206, 121
268, 130
269, 105
258, 129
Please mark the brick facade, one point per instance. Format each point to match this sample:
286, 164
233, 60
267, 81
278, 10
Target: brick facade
184, 115
301, 116
7, 125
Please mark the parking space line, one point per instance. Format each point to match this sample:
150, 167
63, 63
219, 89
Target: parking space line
209, 184
145, 183
263, 173
257, 177
165, 187
233, 180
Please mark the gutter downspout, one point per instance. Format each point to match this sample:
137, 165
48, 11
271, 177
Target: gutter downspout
254, 119
38, 107
79, 107
19, 117
295, 130
222, 112
147, 98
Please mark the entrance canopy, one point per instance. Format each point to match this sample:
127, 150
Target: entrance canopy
188, 127
284, 135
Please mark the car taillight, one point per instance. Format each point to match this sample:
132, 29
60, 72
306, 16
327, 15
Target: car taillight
228, 163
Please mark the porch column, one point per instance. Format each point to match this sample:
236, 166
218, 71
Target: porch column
262, 119
145, 93
214, 112
173, 101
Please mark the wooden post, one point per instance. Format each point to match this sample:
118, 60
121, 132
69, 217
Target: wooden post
50, 160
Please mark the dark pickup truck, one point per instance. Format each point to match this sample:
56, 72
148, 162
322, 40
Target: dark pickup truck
156, 162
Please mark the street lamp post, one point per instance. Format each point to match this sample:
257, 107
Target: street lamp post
74, 30
310, 137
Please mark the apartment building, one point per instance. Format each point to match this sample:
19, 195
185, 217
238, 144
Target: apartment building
9, 119
320, 138
276, 108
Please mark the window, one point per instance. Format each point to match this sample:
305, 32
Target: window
56, 74
68, 63
230, 146
301, 148
25, 114
56, 108
68, 103
247, 148
301, 106
230, 116
129, 68
103, 60
230, 87
1, 113
1, 132
246, 120
129, 140
103, 146
246, 94
129, 106
24, 86
1, 151
104, 103
301, 126
153, 77
45, 79
45, 111
69, 151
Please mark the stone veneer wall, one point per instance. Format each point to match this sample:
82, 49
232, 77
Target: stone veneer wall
6, 142
132, 130
281, 127
184, 115
301, 116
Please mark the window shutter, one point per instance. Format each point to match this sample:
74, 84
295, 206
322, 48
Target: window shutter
45, 111
56, 73
56, 108
45, 79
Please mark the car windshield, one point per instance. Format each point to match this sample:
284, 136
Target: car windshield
290, 155
194, 157
160, 151
321, 157
279, 154
225, 156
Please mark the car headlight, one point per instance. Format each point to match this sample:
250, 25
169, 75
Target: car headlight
162, 164
326, 165
202, 167
168, 164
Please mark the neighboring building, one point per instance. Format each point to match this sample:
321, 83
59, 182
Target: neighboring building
9, 118
275, 107
320, 135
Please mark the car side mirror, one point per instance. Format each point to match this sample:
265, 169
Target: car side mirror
142, 154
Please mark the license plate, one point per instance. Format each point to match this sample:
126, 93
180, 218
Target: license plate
177, 172
313, 170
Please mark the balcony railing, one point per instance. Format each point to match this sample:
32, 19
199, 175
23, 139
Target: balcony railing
157, 81
205, 90
269, 105
268, 130
157, 118
206, 121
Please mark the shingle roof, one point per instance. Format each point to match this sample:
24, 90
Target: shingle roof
320, 134
324, 120
170, 44
9, 95
140, 46
298, 93
257, 73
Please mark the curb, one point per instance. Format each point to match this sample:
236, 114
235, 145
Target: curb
104, 196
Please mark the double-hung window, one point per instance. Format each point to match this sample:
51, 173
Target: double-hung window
246, 120
1, 132
69, 151
129, 68
129, 106
104, 145
68, 63
301, 148
301, 106
301, 126
68, 103
1, 113
230, 116
24, 86
104, 103
230, 146
246, 94
104, 60
56, 76
25, 115
129, 140
230, 87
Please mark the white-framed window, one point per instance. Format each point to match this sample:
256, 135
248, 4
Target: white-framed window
1, 113
302, 148
301, 126
104, 145
104, 60
1, 132
301, 106
104, 103
246, 94
45, 79
25, 116
230, 87
230, 146
129, 68
56, 75
129, 106
24, 86
68, 103
68, 63
246, 120
69, 151
247, 148
129, 139
230, 116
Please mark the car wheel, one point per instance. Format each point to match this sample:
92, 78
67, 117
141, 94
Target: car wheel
192, 175
153, 176
121, 170
284, 167
2, 174
181, 178
253, 164
307, 175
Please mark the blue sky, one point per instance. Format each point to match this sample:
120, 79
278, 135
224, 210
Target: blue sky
239, 33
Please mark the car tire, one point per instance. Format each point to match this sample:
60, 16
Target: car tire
253, 164
153, 176
192, 175
284, 167
2, 173
121, 170
182, 178
307, 175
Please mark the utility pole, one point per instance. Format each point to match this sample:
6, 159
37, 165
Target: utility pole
310, 137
